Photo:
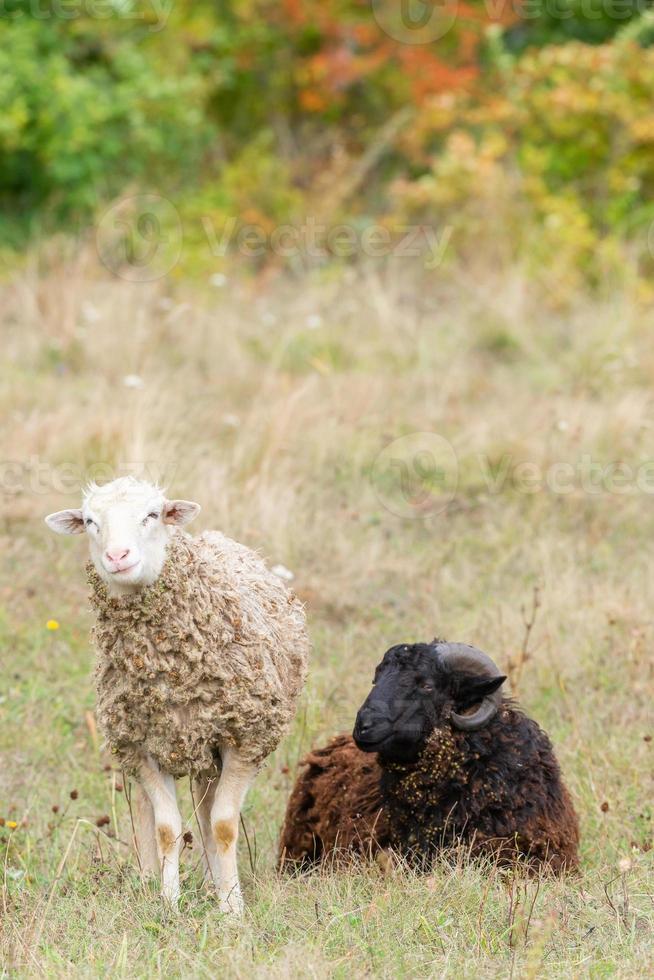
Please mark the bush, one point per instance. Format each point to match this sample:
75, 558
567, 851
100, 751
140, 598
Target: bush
545, 22
268, 111
93, 105
564, 135
84, 114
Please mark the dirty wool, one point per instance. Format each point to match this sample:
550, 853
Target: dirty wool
213, 654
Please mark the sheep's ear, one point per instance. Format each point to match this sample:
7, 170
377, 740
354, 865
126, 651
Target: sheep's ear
474, 689
180, 511
66, 522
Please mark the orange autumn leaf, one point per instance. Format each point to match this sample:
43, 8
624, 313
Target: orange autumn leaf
312, 100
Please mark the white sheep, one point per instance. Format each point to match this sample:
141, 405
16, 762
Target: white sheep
202, 654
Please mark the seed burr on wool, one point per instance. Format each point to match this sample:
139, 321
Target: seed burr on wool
214, 653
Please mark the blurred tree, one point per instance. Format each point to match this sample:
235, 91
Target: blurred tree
542, 22
86, 110
270, 109
97, 99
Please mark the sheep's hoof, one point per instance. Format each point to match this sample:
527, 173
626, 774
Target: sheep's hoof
232, 903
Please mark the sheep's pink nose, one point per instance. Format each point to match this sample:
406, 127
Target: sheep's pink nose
118, 555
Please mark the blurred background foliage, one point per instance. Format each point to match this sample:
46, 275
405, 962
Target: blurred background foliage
539, 116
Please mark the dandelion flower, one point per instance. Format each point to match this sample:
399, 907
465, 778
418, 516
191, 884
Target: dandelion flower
52, 624
11, 824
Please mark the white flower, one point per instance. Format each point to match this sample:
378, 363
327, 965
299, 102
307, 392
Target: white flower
90, 313
231, 421
133, 381
218, 279
314, 320
283, 572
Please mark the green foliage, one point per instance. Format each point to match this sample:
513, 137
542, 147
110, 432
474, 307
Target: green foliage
267, 112
544, 22
640, 30
104, 96
84, 113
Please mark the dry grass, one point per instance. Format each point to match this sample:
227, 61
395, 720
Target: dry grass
274, 424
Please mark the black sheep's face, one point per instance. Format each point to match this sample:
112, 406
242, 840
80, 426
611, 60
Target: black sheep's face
413, 693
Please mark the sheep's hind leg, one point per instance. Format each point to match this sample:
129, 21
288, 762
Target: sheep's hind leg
204, 791
160, 788
145, 841
232, 787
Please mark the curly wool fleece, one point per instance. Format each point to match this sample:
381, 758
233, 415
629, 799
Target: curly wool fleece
213, 654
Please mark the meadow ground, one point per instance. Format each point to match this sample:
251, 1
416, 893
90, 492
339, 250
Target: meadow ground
524, 463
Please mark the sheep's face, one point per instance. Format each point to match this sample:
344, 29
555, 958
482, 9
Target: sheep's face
128, 524
414, 692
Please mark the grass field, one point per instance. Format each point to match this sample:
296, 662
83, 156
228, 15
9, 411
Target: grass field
527, 467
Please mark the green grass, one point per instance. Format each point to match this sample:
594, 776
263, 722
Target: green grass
280, 450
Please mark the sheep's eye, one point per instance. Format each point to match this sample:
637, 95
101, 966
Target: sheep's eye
152, 516
425, 686
89, 522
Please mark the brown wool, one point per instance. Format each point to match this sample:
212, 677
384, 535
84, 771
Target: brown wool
214, 654
419, 807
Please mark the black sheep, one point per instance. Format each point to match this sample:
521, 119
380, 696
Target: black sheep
439, 756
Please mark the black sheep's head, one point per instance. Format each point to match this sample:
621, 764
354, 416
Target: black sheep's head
422, 686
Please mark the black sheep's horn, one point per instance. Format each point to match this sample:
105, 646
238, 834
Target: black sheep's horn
487, 710
460, 656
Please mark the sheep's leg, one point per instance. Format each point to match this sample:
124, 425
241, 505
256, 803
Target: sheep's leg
160, 789
204, 791
145, 840
237, 774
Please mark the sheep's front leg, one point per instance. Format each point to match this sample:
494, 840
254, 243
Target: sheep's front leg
235, 779
145, 840
160, 789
